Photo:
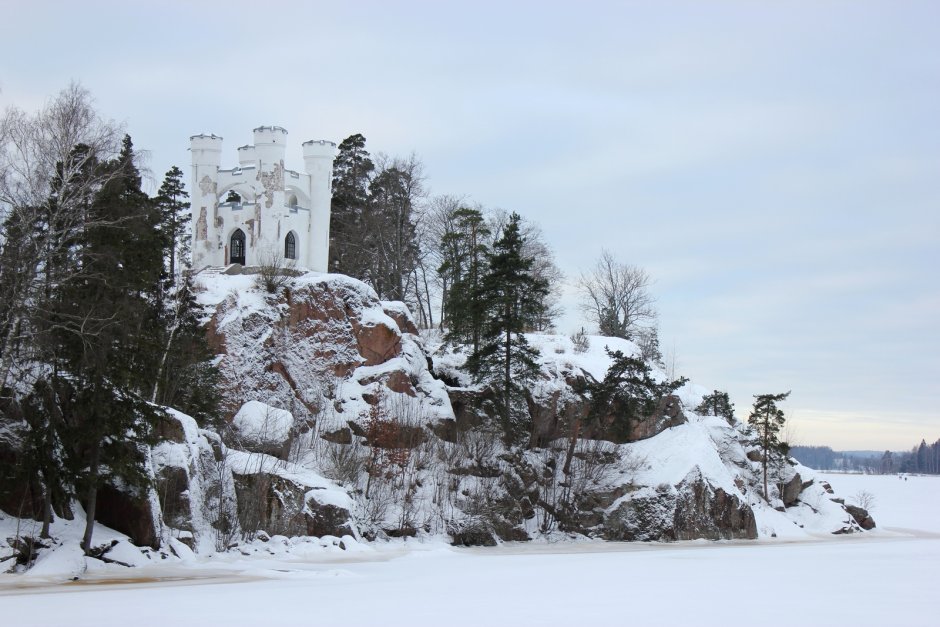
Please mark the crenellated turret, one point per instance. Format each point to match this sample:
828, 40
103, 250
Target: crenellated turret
270, 145
206, 150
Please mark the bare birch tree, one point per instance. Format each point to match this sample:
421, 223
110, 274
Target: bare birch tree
48, 176
616, 296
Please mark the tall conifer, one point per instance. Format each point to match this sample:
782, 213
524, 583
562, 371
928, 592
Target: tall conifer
767, 419
513, 297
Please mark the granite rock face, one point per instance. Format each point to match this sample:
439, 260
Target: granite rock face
690, 510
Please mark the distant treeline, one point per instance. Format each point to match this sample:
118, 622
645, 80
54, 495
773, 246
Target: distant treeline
923, 458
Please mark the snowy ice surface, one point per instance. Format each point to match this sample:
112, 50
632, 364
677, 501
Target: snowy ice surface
879, 578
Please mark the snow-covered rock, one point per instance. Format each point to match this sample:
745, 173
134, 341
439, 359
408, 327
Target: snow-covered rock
211, 495
325, 349
262, 428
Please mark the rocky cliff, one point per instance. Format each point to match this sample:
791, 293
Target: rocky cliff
342, 421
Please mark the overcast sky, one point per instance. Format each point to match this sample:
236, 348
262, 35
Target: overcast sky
774, 166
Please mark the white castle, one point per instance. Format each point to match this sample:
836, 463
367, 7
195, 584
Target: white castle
259, 211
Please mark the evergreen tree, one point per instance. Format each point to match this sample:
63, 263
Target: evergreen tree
465, 257
648, 341
923, 457
184, 377
106, 335
513, 297
86, 299
174, 217
44, 469
767, 419
627, 394
48, 240
717, 404
352, 172
887, 463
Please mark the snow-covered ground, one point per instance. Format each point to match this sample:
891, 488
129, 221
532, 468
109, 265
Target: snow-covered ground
878, 578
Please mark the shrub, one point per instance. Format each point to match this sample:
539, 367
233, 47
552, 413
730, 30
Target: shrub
581, 342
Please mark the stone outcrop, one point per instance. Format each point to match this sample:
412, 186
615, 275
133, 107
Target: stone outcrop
341, 388
693, 509
790, 491
301, 349
130, 512
210, 494
668, 414
861, 516
282, 506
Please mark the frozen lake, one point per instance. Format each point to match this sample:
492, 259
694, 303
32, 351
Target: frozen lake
879, 578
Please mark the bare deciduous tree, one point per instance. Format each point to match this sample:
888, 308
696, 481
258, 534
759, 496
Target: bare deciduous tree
48, 175
865, 499
395, 196
616, 296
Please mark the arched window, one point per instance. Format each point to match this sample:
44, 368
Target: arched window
237, 247
292, 201
290, 246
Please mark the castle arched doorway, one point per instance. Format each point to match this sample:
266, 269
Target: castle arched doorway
237, 247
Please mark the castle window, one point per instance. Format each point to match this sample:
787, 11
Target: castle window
237, 247
290, 246
292, 201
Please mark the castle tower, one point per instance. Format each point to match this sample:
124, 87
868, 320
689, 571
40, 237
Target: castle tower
259, 210
270, 145
318, 163
206, 151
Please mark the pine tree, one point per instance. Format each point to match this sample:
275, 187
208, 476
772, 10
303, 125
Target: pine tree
84, 276
465, 261
717, 404
513, 297
629, 392
887, 463
767, 419
352, 172
174, 218
44, 450
923, 457
648, 341
184, 377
